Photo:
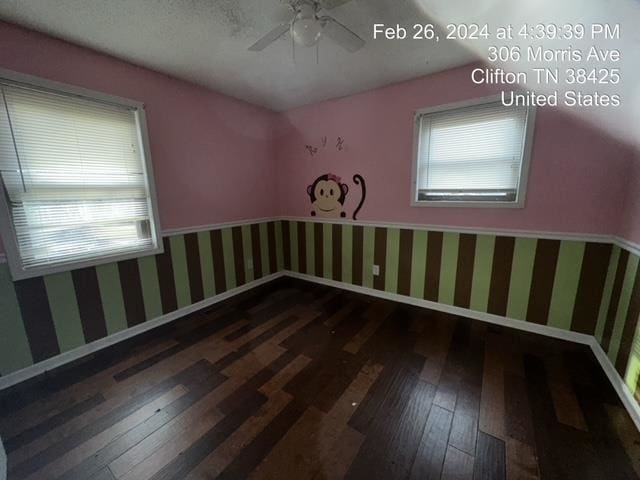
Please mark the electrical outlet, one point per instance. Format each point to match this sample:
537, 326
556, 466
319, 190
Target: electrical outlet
376, 270
250, 264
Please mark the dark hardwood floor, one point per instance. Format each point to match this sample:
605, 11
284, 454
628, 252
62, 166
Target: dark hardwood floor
296, 381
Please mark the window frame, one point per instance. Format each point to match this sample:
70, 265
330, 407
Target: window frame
524, 167
7, 230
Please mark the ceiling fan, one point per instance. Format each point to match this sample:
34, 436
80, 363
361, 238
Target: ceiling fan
307, 26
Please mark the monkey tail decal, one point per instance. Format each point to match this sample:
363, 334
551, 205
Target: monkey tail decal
358, 180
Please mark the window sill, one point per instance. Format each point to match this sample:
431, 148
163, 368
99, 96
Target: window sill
458, 204
19, 273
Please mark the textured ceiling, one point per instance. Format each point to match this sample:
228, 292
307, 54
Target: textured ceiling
206, 41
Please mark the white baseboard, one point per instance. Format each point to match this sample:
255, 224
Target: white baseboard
77, 353
626, 396
440, 307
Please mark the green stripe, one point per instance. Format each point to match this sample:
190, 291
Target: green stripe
311, 253
347, 253
565, 285
279, 246
418, 263
633, 366
327, 250
14, 345
264, 248
206, 264
368, 242
111, 295
180, 270
482, 267
606, 294
249, 273
449, 267
64, 310
293, 235
524, 253
392, 260
227, 253
623, 307
150, 286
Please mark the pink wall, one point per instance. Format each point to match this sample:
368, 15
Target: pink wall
574, 180
211, 153
630, 225
217, 159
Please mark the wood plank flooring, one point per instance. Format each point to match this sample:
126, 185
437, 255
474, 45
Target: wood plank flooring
296, 381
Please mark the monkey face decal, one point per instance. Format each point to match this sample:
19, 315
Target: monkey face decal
327, 195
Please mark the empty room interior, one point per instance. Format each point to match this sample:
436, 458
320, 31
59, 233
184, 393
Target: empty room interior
319, 239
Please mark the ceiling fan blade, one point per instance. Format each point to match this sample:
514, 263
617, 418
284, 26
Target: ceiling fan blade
329, 4
341, 35
270, 37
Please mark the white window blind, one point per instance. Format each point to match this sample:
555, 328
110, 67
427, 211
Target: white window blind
471, 153
74, 177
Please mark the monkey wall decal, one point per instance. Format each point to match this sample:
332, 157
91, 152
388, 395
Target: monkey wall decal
327, 194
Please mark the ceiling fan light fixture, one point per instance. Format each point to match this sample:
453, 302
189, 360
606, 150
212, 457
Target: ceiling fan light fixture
307, 31
306, 27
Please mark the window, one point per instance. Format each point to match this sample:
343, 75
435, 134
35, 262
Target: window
77, 184
472, 154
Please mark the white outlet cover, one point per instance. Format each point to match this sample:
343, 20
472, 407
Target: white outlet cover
376, 270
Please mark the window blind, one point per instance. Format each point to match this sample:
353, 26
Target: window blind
73, 176
471, 154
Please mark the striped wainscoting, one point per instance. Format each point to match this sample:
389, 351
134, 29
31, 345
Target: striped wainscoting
45, 316
617, 333
558, 283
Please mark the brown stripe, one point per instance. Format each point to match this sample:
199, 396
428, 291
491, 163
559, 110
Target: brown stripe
544, 271
434, 261
379, 256
132, 291
193, 266
404, 260
238, 255
628, 332
219, 272
501, 275
85, 282
621, 270
271, 239
336, 251
302, 247
464, 271
165, 279
286, 244
318, 246
256, 253
357, 254
593, 275
37, 319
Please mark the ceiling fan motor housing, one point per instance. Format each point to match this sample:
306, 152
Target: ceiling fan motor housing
306, 27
